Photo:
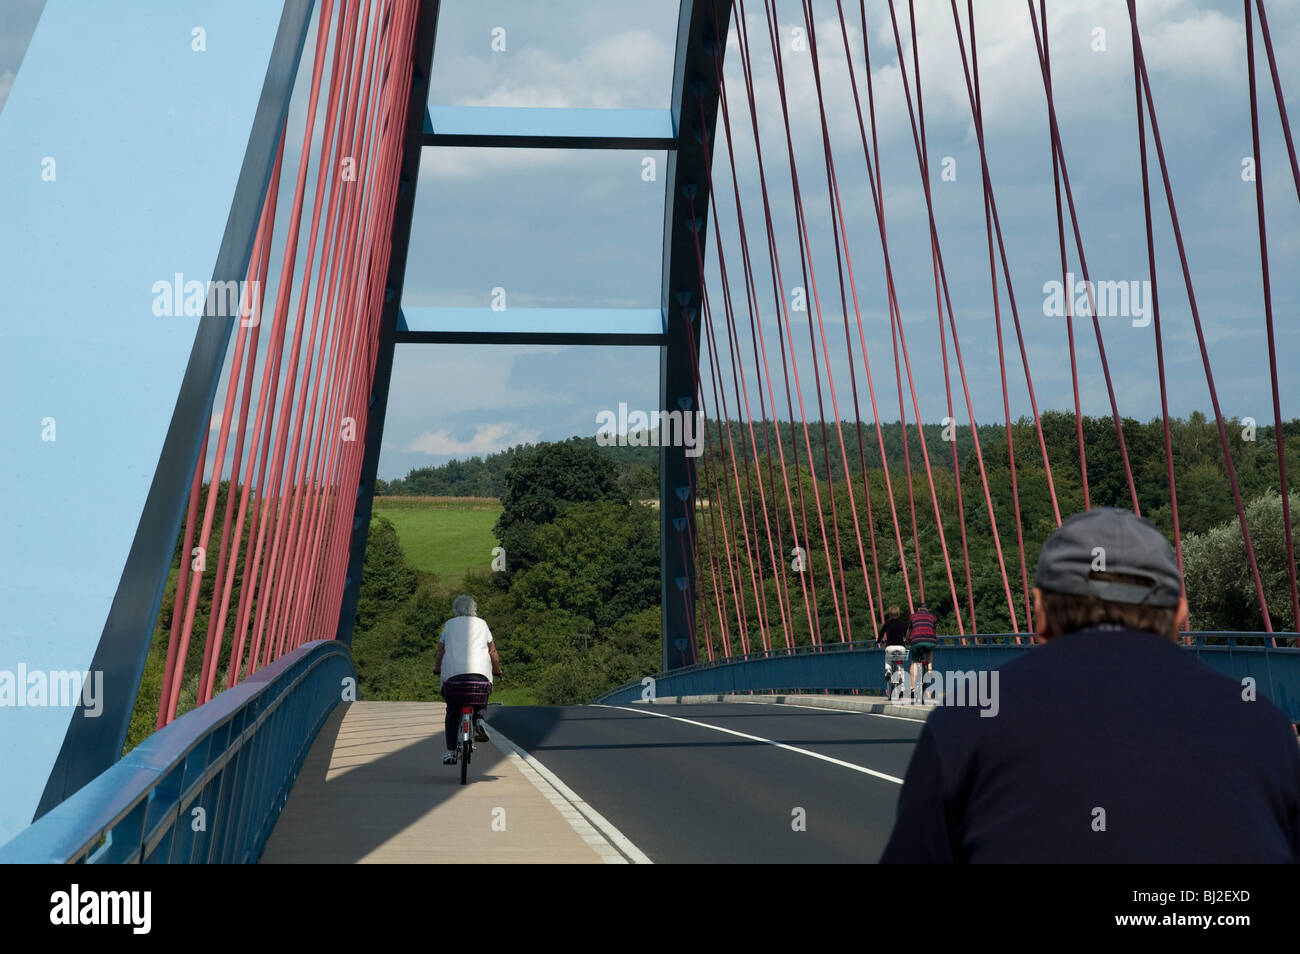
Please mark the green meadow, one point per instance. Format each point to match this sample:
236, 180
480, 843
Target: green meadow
443, 536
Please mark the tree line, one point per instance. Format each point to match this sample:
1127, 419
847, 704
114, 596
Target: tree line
750, 518
577, 608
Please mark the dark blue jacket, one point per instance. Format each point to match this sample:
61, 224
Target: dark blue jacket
1112, 728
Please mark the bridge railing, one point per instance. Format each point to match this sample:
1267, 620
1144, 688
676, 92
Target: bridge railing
207, 788
855, 667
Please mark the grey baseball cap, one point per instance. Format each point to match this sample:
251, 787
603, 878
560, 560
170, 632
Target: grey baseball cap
1114, 541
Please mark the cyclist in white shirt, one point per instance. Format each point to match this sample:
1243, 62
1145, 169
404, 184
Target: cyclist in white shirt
467, 661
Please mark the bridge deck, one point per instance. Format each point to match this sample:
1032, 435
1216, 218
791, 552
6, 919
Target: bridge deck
374, 789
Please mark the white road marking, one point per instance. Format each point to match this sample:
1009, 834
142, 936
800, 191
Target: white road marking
798, 705
614, 847
755, 738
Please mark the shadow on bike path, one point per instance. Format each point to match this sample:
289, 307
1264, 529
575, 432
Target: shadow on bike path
373, 789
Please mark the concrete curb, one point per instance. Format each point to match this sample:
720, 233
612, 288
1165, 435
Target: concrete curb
875, 705
610, 843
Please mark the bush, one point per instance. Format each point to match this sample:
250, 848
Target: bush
572, 682
540, 486
386, 579
1220, 589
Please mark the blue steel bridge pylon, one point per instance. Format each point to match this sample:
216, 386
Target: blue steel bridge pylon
684, 130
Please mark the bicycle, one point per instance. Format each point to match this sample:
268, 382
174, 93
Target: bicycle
895, 672
920, 654
466, 741
467, 696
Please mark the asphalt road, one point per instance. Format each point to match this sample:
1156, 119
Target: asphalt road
684, 792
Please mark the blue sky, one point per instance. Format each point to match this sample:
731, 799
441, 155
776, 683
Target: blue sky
563, 228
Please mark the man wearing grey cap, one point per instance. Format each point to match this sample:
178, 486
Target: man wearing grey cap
1109, 742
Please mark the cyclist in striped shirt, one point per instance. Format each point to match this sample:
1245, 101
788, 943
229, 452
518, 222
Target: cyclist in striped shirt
921, 638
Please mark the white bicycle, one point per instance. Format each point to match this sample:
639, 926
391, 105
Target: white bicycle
896, 671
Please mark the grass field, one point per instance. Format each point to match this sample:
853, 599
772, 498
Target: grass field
438, 503
514, 696
444, 536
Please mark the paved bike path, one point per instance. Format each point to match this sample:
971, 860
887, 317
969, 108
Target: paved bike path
373, 789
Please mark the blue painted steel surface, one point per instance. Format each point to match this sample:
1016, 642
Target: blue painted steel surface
1276, 671
553, 128
547, 325
701, 34
844, 667
160, 156
236, 758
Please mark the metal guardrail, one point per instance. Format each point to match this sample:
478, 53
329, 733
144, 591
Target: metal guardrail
235, 758
848, 667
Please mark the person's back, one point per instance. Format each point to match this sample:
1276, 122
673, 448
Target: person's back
467, 640
922, 627
894, 632
1108, 745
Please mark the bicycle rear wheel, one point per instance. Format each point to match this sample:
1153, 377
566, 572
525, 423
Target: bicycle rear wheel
466, 745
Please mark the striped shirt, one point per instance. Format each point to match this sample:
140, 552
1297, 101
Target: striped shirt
923, 628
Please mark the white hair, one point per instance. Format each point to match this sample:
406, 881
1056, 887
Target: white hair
464, 605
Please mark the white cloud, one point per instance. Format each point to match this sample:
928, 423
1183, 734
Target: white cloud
628, 64
487, 439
